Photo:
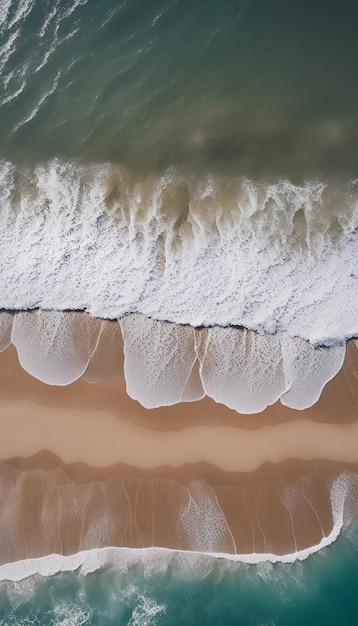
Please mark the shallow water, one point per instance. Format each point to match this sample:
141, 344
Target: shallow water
248, 86
321, 589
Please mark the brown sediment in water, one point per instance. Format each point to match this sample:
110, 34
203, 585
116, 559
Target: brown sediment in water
85, 467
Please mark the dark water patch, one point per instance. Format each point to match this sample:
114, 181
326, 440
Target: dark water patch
320, 590
255, 87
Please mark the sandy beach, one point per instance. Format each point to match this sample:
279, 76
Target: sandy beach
85, 467
102, 439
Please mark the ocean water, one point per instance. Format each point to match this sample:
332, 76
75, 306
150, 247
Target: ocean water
250, 86
191, 162
319, 590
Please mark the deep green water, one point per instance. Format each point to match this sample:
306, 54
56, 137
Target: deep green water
254, 87
321, 590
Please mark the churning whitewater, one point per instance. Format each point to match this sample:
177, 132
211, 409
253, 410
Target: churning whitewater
201, 251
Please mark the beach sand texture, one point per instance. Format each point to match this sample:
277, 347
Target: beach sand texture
84, 466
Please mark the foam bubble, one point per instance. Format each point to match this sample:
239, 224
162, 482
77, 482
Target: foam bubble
21, 591
202, 524
70, 614
146, 612
4, 10
243, 369
22, 10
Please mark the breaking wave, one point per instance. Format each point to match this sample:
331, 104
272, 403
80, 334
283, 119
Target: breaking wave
267, 256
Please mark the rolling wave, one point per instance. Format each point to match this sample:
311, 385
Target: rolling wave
267, 256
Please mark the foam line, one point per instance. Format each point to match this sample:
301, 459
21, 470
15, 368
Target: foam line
91, 560
242, 369
161, 363
308, 369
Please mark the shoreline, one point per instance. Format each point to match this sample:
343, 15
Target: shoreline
91, 560
180, 269
153, 470
338, 400
115, 319
244, 370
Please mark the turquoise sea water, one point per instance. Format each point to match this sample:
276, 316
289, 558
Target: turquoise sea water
320, 590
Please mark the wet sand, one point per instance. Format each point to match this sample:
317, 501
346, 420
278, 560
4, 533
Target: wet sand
50, 507
338, 402
84, 467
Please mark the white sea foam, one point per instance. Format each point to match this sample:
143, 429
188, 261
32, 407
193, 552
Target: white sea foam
74, 6
43, 99
22, 10
308, 368
146, 611
4, 11
14, 94
269, 257
202, 522
161, 362
48, 19
166, 363
21, 591
70, 614
243, 369
8, 48
91, 560
55, 347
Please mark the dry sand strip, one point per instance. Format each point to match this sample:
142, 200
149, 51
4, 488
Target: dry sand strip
101, 439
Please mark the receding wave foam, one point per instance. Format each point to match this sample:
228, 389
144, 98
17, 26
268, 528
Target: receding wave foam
268, 256
161, 361
166, 363
342, 497
55, 347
